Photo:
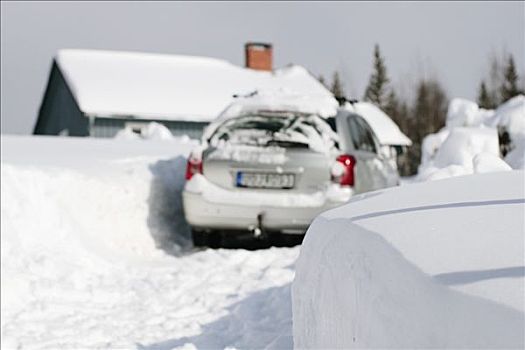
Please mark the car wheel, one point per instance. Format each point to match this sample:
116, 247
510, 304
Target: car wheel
206, 239
200, 238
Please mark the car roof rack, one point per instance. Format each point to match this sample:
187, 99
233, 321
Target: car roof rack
250, 94
342, 100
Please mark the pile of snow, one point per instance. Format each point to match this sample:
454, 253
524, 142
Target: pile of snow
451, 278
151, 131
387, 132
145, 85
465, 113
127, 134
156, 131
96, 254
511, 116
516, 157
461, 149
472, 133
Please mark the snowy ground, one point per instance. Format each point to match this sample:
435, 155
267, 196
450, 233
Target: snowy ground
96, 252
88, 262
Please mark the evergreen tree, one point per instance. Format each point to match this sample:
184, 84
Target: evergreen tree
428, 116
398, 111
484, 97
377, 86
404, 123
337, 86
509, 87
495, 79
392, 107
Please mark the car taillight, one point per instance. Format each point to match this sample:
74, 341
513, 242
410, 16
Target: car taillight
194, 166
346, 165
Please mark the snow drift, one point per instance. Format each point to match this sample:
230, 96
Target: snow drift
435, 264
353, 290
96, 254
472, 132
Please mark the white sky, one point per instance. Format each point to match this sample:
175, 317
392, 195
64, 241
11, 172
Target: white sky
449, 41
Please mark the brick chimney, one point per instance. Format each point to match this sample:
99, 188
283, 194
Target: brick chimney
258, 56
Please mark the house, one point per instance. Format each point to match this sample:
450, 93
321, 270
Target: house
97, 93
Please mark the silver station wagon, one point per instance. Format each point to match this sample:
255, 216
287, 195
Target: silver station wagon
271, 171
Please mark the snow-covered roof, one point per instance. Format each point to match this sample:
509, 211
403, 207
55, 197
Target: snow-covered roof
385, 129
170, 87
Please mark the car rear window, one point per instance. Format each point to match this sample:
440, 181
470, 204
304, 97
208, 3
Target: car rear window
331, 121
288, 131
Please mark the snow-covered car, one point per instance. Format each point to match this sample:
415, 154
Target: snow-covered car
436, 264
269, 169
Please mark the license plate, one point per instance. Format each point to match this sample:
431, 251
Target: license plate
261, 180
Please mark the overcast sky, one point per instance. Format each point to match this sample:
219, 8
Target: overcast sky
449, 41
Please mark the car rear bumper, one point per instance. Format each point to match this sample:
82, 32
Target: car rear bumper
206, 215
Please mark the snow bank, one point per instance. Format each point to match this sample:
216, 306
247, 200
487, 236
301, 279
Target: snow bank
353, 290
79, 181
452, 278
431, 144
464, 113
145, 85
462, 144
127, 134
156, 131
470, 131
95, 254
489, 162
457, 154
511, 116
151, 131
385, 129
516, 157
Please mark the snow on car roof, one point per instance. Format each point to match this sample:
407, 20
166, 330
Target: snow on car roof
171, 87
385, 129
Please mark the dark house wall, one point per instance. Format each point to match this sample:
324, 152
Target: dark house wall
59, 111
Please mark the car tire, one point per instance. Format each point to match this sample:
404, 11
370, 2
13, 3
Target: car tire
200, 238
206, 239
